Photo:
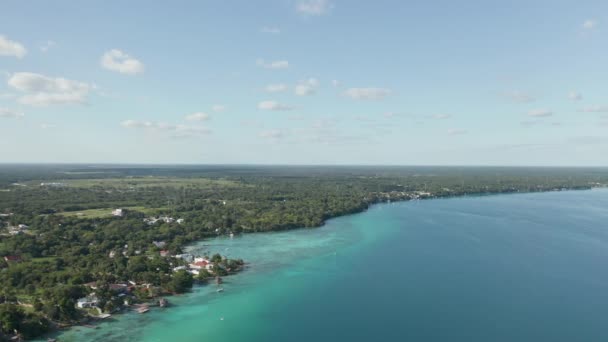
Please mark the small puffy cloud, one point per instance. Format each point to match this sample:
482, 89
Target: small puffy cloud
273, 105
174, 131
11, 48
540, 113
200, 116
281, 64
367, 93
314, 7
590, 24
47, 45
441, 116
218, 108
575, 96
270, 29
42, 90
457, 131
116, 60
10, 114
276, 88
271, 134
307, 87
595, 109
520, 97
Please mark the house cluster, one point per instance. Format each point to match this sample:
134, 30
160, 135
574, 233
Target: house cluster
92, 301
421, 194
53, 184
195, 264
166, 219
19, 229
125, 252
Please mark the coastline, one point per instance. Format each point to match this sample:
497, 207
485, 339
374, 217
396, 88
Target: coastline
309, 254
190, 246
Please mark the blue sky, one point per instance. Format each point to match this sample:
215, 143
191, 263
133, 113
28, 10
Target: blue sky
305, 82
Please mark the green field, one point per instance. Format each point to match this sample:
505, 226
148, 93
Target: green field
138, 182
105, 212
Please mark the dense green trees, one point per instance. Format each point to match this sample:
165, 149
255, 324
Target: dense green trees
180, 282
13, 319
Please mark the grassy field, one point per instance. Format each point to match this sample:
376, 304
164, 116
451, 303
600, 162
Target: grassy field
106, 212
139, 182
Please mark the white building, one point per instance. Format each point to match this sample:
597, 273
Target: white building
118, 212
87, 302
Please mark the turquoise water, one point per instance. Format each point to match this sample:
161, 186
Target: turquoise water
529, 267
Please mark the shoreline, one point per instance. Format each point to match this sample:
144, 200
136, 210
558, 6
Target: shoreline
93, 321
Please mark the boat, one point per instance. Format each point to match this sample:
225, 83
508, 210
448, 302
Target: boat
221, 289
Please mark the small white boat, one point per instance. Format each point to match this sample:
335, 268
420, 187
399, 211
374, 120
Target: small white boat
221, 289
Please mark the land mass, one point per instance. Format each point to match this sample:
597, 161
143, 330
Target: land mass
81, 241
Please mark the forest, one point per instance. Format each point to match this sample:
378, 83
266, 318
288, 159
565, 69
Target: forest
58, 233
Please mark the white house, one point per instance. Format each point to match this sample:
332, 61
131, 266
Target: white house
87, 302
118, 212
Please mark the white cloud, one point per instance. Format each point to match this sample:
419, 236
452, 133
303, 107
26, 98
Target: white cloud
273, 105
272, 134
314, 7
174, 131
540, 113
335, 83
307, 87
116, 60
520, 97
367, 93
281, 64
590, 24
11, 48
595, 109
269, 29
218, 108
276, 88
43, 90
441, 116
575, 96
457, 131
10, 114
47, 45
200, 116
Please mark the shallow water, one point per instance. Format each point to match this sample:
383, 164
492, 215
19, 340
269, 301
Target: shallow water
524, 267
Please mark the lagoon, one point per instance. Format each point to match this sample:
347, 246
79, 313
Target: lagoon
521, 267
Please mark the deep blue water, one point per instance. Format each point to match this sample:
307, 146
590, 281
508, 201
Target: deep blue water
523, 267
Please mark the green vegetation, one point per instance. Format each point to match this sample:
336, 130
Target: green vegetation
107, 212
72, 240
